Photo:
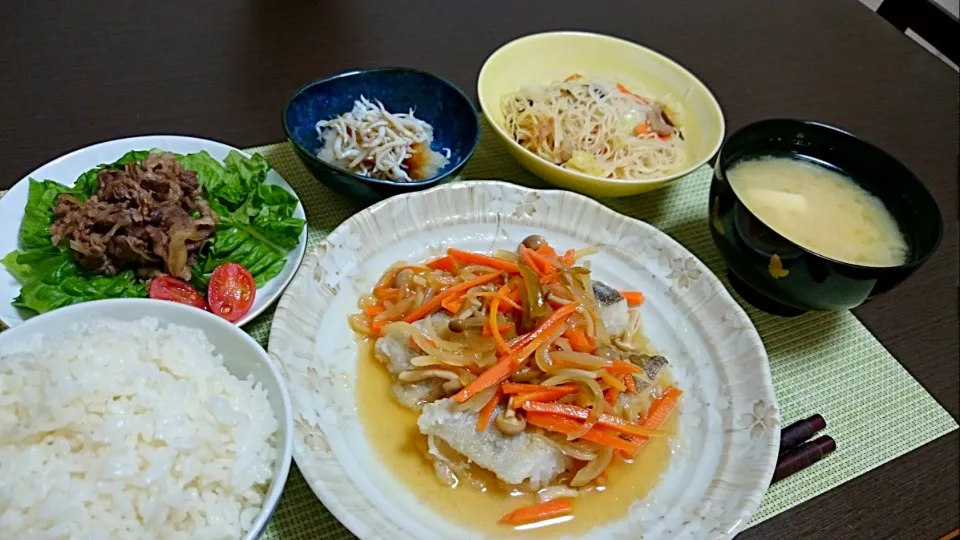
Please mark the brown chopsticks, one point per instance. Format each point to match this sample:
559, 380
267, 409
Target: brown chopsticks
796, 453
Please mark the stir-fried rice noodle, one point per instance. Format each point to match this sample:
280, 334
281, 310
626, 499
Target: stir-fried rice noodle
371, 141
595, 127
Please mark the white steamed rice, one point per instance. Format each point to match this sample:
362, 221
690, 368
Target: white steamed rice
130, 430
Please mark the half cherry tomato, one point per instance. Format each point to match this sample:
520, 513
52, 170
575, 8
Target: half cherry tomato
231, 291
175, 290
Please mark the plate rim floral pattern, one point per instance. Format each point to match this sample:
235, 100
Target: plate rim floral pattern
748, 420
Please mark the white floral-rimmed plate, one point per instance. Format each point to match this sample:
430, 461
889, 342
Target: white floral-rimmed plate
728, 433
65, 170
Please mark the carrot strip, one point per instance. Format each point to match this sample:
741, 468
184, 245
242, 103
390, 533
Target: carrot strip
499, 372
547, 265
494, 325
483, 260
569, 257
520, 388
611, 394
619, 367
452, 304
486, 413
377, 325
503, 328
553, 422
579, 413
629, 383
507, 300
545, 395
539, 512
626, 90
373, 311
436, 302
550, 278
641, 129
528, 261
580, 341
659, 412
513, 300
634, 298
547, 251
573, 77
447, 264
662, 407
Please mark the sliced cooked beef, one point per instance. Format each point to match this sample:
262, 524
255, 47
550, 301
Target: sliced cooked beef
130, 221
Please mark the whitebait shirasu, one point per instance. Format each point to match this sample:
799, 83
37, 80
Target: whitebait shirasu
374, 142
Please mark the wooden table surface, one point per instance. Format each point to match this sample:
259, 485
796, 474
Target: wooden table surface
74, 73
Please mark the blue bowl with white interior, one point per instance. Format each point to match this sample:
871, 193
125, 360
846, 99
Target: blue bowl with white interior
433, 100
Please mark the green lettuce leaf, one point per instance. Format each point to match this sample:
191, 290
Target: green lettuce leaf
228, 185
256, 227
51, 279
38, 214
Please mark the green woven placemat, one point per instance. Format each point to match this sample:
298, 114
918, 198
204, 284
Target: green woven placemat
825, 363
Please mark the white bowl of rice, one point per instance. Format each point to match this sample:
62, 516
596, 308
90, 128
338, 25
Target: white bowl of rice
133, 418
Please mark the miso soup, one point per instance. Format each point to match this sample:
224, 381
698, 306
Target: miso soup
819, 209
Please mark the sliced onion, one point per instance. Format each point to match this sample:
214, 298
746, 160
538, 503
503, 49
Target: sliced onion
426, 346
574, 450
527, 374
386, 280
582, 289
475, 270
426, 360
585, 252
367, 301
395, 310
588, 380
593, 469
417, 375
541, 356
476, 402
573, 375
506, 255
555, 492
475, 348
358, 323
587, 361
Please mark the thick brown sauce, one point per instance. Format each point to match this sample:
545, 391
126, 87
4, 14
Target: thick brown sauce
392, 430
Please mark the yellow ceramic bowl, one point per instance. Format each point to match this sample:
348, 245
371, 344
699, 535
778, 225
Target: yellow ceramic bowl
552, 56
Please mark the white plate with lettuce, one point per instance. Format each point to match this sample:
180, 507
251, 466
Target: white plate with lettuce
260, 224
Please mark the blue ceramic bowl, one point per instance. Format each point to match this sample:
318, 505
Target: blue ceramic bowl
434, 100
